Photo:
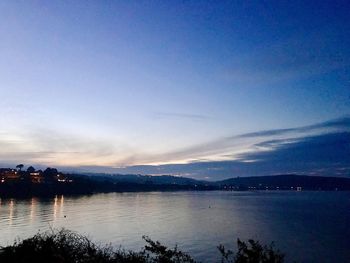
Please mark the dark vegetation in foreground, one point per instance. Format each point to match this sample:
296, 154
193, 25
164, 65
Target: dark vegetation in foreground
51, 182
65, 246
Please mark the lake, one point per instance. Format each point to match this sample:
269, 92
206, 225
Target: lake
307, 226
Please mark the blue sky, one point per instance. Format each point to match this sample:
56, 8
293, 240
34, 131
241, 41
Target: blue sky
114, 84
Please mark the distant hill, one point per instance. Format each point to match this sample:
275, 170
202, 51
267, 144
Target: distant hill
287, 181
146, 179
17, 183
273, 182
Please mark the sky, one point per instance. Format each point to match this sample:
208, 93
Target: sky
205, 89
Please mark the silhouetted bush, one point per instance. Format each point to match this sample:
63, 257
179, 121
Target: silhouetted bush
253, 252
65, 246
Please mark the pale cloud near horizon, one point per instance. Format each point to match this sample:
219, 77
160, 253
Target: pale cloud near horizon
55, 148
52, 147
233, 147
326, 154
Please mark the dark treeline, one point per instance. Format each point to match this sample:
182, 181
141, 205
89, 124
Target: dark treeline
80, 185
32, 182
50, 182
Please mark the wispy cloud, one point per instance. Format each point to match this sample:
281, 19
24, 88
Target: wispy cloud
288, 60
320, 145
52, 147
177, 115
326, 154
233, 147
340, 123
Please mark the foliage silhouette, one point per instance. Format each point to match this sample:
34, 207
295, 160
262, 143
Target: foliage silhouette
65, 246
253, 252
30, 169
19, 166
162, 254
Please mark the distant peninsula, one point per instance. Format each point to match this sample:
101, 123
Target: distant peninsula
17, 182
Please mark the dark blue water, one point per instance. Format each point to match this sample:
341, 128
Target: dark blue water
307, 226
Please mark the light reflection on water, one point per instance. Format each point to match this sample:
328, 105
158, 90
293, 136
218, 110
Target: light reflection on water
308, 226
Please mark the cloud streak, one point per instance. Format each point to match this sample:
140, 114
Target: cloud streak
52, 147
233, 147
185, 116
326, 155
340, 123
300, 149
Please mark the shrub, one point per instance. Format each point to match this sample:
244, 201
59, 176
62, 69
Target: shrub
253, 252
65, 246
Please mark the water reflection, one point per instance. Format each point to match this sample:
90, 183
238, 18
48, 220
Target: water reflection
11, 211
57, 206
61, 202
198, 221
33, 208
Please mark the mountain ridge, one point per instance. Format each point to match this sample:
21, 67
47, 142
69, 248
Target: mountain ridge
279, 181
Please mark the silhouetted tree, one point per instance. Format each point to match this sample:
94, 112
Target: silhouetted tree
30, 169
50, 173
19, 166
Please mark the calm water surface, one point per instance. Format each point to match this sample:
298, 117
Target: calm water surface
308, 226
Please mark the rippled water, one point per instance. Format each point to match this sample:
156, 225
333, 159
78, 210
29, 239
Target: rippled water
308, 226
